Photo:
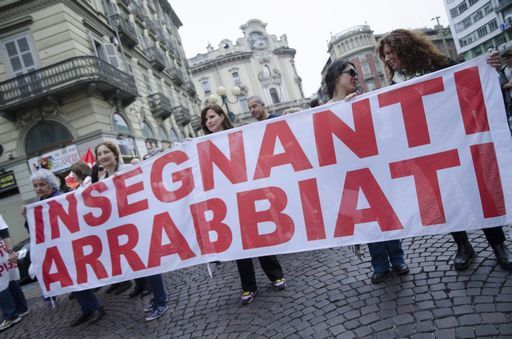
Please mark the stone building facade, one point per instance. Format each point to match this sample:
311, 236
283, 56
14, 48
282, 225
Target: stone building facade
258, 63
74, 73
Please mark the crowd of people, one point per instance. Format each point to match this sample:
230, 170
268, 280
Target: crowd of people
406, 55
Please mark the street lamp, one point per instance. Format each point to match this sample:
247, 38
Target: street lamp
222, 93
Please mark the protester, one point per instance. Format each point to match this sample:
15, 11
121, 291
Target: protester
341, 84
82, 173
46, 186
213, 120
506, 82
258, 108
12, 300
108, 164
407, 55
108, 156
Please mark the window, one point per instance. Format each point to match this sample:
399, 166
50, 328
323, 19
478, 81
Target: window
147, 82
105, 51
119, 124
46, 134
472, 2
493, 25
274, 96
174, 136
164, 139
20, 53
462, 7
243, 103
482, 31
159, 85
366, 69
124, 139
266, 71
206, 87
149, 136
236, 78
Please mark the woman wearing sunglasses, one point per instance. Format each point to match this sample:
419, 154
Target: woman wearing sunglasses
341, 84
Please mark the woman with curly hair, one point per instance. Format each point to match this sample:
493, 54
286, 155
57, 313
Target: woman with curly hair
408, 55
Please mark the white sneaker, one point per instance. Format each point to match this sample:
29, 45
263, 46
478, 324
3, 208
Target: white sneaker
8, 323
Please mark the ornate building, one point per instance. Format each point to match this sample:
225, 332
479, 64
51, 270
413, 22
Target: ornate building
478, 25
358, 45
74, 73
257, 64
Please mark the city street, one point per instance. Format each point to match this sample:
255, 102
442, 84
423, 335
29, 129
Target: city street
328, 295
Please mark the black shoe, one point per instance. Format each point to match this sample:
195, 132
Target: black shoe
464, 256
96, 316
123, 286
112, 288
401, 269
83, 317
503, 256
379, 277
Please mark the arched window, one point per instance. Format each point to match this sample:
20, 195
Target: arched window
125, 140
149, 136
266, 71
46, 134
174, 136
275, 96
164, 138
120, 125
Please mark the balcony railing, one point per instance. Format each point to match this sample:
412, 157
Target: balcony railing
156, 58
190, 88
176, 75
160, 35
88, 72
150, 25
126, 30
160, 105
182, 115
137, 11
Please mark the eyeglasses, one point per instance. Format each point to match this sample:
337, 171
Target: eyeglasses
352, 72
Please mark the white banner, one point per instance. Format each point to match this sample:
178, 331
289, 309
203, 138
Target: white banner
55, 161
427, 156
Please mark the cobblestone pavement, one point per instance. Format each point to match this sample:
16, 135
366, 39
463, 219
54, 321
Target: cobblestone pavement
329, 295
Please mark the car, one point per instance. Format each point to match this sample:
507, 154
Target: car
23, 251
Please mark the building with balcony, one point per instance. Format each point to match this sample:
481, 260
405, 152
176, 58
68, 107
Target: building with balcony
258, 63
75, 73
478, 25
441, 37
358, 45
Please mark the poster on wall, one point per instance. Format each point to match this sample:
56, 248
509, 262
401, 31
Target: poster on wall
55, 161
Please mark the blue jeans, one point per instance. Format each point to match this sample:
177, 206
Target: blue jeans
12, 301
156, 286
384, 252
87, 301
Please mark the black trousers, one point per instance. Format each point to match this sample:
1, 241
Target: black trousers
494, 236
270, 266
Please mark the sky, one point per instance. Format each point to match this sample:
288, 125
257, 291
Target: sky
308, 26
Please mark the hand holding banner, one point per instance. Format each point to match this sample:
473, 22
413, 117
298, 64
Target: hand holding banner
422, 157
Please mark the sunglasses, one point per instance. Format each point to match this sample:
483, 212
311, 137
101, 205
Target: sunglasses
352, 72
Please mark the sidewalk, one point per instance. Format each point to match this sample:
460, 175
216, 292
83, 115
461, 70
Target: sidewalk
329, 295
